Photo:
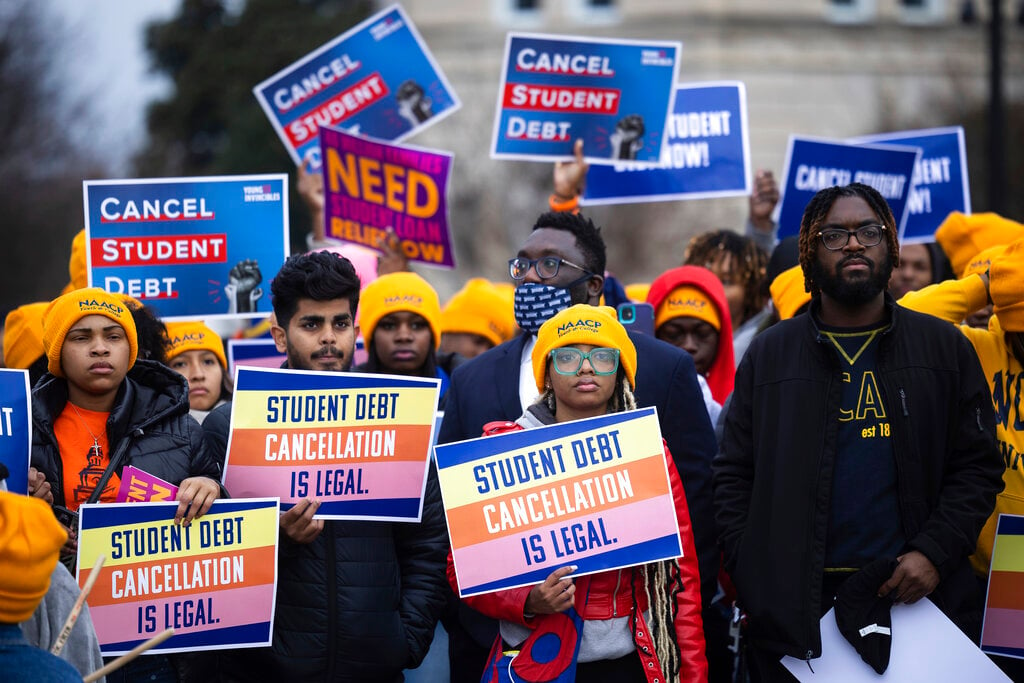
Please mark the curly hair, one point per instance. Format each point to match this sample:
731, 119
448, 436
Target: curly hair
317, 275
712, 248
588, 236
817, 210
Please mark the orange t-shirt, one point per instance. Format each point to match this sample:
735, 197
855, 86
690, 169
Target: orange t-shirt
82, 466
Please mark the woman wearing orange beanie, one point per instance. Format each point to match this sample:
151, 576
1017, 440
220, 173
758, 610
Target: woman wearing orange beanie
588, 370
196, 352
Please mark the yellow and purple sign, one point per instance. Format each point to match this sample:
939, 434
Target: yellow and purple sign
594, 493
1003, 629
360, 444
213, 581
139, 486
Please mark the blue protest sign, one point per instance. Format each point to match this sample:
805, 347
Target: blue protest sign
376, 79
189, 247
707, 153
814, 164
15, 427
940, 184
615, 95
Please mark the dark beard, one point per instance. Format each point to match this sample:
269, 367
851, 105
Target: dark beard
858, 292
297, 362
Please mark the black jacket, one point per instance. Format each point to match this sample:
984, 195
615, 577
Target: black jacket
359, 603
772, 478
149, 427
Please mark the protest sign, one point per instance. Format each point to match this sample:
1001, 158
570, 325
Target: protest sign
370, 186
139, 486
707, 153
940, 183
814, 164
376, 79
615, 95
1003, 628
15, 427
594, 493
360, 444
213, 581
189, 247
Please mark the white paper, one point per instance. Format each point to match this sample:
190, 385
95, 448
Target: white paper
926, 646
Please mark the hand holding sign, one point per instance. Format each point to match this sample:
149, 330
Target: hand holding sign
555, 594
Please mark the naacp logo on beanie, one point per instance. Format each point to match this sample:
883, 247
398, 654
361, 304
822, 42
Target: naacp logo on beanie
535, 303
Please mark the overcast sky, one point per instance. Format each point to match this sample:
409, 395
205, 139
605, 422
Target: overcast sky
107, 66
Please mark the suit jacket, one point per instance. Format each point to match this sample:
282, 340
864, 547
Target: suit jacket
487, 389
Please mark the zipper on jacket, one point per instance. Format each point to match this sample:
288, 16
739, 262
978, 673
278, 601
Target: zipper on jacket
903, 402
977, 418
615, 602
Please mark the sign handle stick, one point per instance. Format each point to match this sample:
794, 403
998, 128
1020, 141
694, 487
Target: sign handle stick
127, 657
69, 624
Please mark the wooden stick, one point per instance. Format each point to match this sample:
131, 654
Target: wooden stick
69, 624
127, 657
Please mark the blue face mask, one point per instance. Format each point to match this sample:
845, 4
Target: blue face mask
535, 303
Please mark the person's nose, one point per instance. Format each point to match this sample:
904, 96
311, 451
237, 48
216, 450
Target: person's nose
586, 368
328, 336
853, 244
532, 275
404, 333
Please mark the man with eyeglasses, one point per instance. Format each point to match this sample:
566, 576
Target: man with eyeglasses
562, 263
860, 434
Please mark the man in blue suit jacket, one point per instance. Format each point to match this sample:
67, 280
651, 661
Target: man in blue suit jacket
560, 264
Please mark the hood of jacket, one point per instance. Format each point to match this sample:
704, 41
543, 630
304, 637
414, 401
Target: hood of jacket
722, 372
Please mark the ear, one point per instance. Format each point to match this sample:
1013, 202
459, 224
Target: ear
280, 336
595, 286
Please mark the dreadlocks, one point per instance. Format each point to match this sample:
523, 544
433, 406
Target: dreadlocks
713, 250
814, 216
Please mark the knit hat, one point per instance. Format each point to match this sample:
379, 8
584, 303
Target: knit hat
30, 543
963, 237
478, 308
23, 335
981, 263
1006, 287
637, 291
864, 618
194, 335
67, 309
583, 324
399, 292
789, 293
690, 302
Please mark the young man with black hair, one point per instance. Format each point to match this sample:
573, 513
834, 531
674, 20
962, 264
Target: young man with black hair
356, 601
562, 263
857, 433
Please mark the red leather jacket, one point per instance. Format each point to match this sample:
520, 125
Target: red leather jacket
610, 594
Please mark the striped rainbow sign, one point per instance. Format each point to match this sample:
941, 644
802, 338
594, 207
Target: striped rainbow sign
360, 444
592, 493
213, 581
1003, 629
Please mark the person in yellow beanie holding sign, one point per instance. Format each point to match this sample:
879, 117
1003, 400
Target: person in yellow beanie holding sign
400, 318
100, 408
196, 352
642, 623
30, 543
477, 318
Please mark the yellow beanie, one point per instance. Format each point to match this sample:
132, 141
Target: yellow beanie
789, 293
583, 324
23, 335
30, 542
1006, 287
982, 262
194, 335
478, 308
67, 309
963, 237
638, 291
690, 302
399, 292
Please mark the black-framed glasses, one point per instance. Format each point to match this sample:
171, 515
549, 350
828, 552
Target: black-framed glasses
568, 360
546, 266
835, 239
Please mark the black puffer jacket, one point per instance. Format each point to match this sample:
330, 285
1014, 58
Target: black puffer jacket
359, 603
773, 476
149, 427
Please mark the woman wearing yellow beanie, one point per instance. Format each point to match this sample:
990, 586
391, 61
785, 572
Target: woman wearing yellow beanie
584, 365
400, 320
196, 352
